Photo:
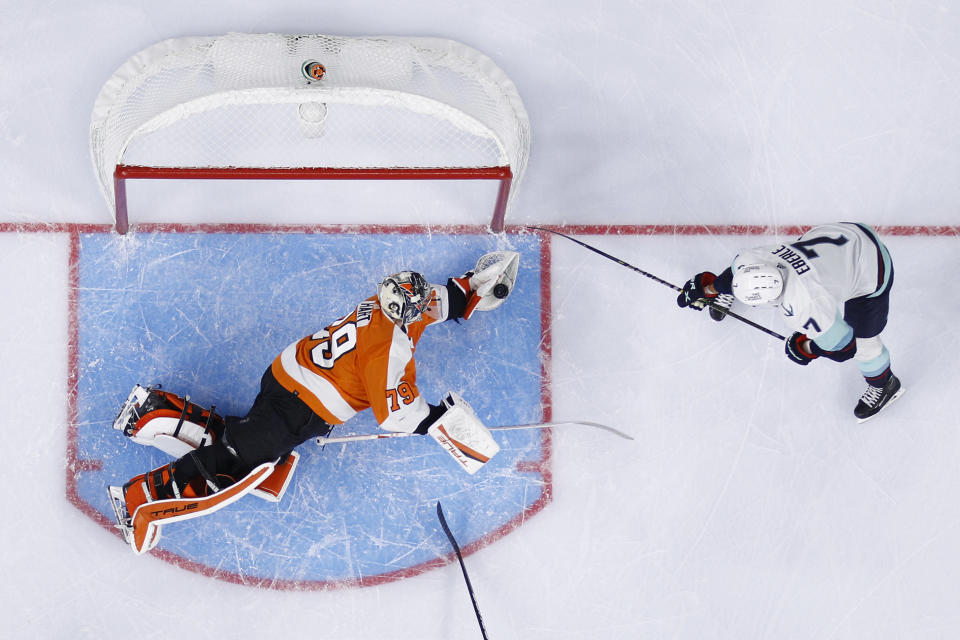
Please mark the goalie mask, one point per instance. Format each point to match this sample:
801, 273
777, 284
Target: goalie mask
756, 284
404, 296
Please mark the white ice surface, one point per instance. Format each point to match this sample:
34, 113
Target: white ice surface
751, 504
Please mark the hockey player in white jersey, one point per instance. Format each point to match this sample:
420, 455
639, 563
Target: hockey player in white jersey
833, 287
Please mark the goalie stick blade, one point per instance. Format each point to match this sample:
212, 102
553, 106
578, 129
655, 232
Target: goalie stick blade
119, 505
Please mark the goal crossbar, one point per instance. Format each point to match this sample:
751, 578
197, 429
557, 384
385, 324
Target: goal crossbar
123, 173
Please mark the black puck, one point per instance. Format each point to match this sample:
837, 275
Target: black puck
500, 290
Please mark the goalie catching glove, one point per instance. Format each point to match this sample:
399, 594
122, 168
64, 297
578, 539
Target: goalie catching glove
461, 434
490, 282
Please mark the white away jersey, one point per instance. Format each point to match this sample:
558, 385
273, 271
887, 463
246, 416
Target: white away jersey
822, 269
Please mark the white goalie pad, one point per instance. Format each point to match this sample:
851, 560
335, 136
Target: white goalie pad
159, 433
158, 419
494, 278
461, 434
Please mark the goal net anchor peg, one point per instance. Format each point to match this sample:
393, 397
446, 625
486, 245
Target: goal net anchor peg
313, 116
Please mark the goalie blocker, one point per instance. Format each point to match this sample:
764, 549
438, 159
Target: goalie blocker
461, 434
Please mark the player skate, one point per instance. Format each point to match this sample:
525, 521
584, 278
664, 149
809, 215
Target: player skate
875, 399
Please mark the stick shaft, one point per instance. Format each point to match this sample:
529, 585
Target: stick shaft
660, 280
463, 568
323, 440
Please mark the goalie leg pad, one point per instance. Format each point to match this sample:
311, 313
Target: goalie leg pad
151, 486
166, 421
144, 525
461, 434
275, 485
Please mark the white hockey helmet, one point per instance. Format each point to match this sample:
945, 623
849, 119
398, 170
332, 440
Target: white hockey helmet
757, 283
404, 296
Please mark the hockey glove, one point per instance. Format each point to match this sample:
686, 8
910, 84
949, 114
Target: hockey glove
695, 290
463, 435
795, 350
490, 282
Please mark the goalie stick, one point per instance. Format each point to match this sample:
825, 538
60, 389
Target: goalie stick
463, 568
660, 280
322, 440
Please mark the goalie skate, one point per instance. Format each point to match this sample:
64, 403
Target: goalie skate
119, 504
128, 415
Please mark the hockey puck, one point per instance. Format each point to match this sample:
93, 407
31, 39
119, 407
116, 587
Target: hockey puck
500, 290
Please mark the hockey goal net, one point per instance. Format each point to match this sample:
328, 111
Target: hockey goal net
308, 107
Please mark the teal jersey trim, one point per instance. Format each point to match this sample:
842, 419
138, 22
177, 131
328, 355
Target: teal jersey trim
837, 336
876, 366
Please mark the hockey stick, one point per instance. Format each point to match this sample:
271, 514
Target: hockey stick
323, 440
463, 568
661, 281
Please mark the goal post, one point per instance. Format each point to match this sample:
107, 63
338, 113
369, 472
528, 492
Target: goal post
309, 107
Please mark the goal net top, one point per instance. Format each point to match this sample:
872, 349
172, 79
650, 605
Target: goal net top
272, 101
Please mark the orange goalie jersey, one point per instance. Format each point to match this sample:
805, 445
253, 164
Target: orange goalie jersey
362, 360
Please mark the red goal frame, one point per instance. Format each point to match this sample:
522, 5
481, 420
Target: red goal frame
122, 173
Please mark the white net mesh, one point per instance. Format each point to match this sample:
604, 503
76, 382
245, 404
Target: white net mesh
242, 100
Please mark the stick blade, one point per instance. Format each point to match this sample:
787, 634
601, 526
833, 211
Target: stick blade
446, 529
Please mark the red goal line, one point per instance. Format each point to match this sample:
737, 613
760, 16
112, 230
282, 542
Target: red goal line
733, 229
575, 229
